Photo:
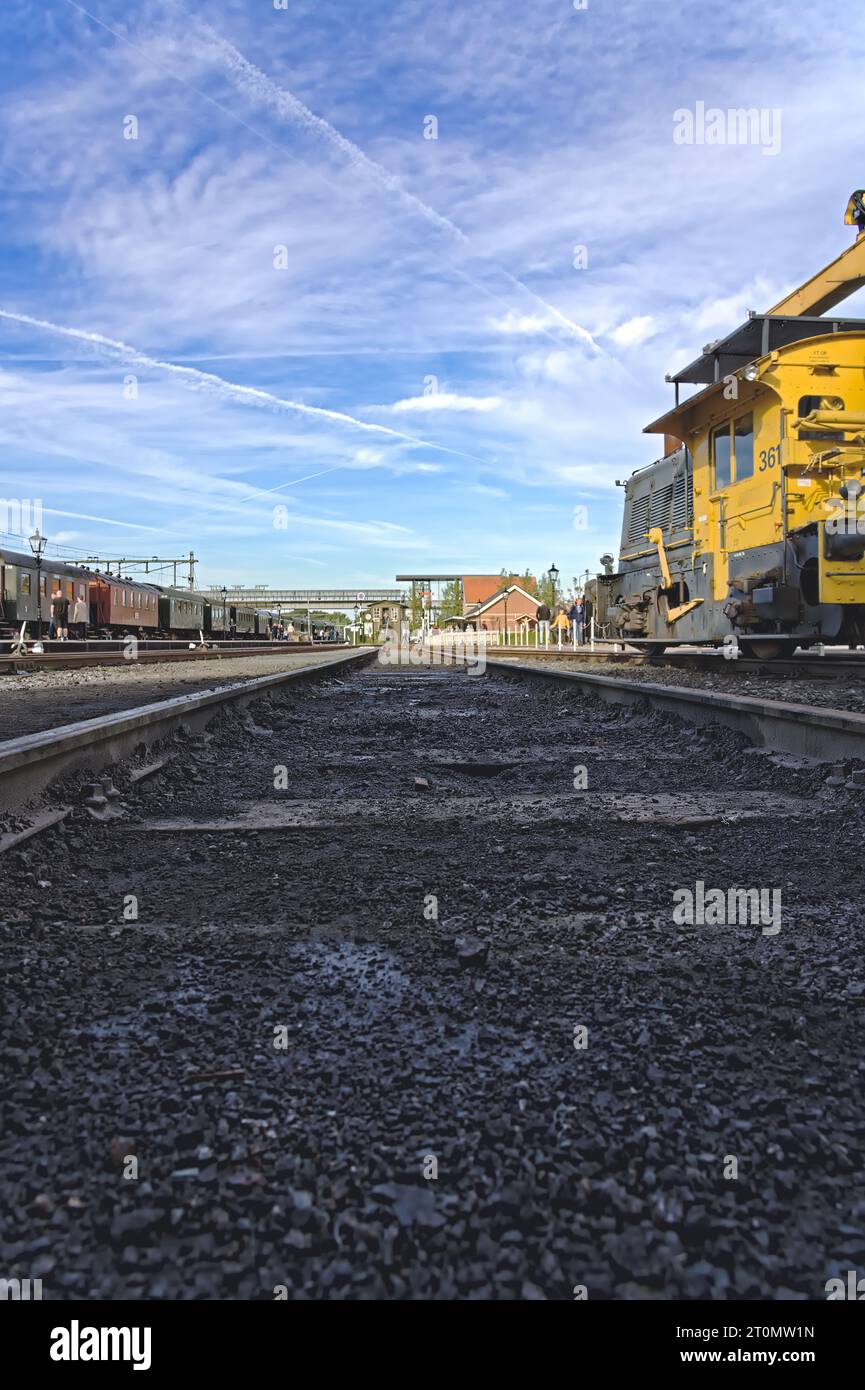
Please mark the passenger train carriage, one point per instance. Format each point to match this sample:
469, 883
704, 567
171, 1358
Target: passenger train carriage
181, 612
753, 523
114, 606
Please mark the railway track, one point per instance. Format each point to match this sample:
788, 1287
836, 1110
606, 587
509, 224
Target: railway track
77, 656
831, 666
380, 986
782, 726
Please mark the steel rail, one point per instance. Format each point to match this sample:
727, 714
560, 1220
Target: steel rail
821, 667
30, 764
76, 660
806, 731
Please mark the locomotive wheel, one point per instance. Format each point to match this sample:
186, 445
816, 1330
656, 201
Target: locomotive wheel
655, 648
768, 649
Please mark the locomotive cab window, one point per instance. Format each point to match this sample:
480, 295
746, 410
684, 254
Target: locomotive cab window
743, 447
722, 454
809, 403
733, 451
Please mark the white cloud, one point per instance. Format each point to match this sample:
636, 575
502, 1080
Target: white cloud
634, 331
483, 490
445, 400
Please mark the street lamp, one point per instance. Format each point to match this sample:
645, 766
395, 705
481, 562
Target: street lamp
37, 545
225, 630
554, 576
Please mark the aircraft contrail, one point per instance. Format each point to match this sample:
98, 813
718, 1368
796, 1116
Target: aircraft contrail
106, 520
263, 89
227, 390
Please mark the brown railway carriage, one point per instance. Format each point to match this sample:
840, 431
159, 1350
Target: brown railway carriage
120, 603
112, 605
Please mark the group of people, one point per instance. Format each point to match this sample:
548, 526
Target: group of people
64, 614
567, 623
282, 632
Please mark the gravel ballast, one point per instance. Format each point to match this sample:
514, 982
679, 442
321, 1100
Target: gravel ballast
405, 1013
40, 700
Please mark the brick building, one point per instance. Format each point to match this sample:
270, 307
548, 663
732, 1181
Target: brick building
508, 608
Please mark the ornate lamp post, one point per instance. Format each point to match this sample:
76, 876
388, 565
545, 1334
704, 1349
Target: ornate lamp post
554, 578
225, 629
37, 545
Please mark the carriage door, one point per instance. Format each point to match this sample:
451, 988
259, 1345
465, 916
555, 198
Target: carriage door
734, 492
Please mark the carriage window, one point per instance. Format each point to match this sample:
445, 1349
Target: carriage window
25, 583
743, 447
124, 598
722, 454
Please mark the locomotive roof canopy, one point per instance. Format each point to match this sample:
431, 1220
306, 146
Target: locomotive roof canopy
760, 334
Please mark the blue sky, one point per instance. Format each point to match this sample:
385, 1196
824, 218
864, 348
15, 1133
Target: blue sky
397, 347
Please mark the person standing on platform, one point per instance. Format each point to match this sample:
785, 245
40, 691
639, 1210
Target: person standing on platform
577, 616
60, 613
80, 617
543, 616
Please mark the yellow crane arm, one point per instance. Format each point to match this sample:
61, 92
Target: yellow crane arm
836, 281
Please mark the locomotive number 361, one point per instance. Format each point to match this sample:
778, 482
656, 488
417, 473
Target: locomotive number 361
769, 457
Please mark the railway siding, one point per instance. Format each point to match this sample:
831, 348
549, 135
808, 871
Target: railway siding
31, 763
825, 734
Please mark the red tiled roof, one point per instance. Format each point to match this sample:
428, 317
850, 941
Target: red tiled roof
477, 588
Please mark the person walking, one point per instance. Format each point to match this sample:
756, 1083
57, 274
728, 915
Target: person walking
60, 613
561, 625
542, 617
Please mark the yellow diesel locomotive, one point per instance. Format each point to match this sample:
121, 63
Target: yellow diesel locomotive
753, 523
